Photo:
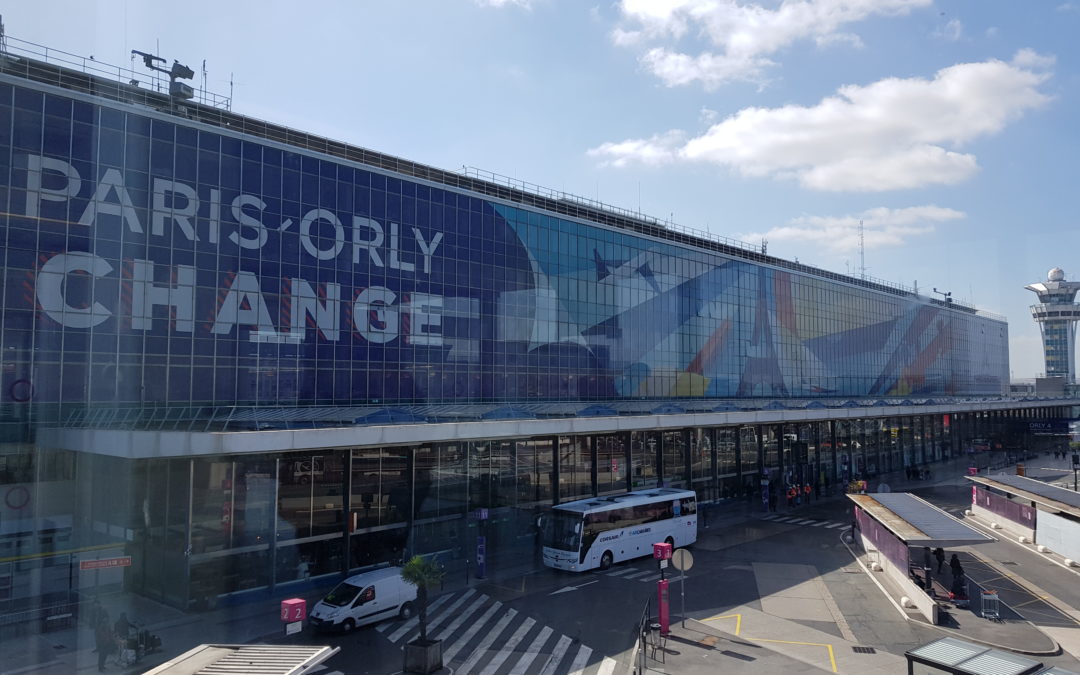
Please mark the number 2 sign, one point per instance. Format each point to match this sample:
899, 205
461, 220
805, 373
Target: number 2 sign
293, 609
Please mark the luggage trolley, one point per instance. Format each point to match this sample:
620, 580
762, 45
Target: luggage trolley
990, 605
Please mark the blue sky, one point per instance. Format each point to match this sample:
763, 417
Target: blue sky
948, 128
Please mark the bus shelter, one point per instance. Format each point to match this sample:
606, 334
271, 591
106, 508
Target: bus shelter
1030, 509
957, 657
248, 659
890, 523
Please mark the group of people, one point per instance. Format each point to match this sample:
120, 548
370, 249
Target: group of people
959, 583
918, 473
109, 638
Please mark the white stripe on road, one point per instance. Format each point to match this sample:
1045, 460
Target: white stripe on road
621, 571
582, 659
607, 666
461, 618
508, 648
771, 516
802, 522
416, 619
435, 623
453, 649
556, 656
835, 525
637, 573
531, 652
482, 647
654, 577
784, 519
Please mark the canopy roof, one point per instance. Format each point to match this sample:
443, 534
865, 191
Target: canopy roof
917, 522
1051, 496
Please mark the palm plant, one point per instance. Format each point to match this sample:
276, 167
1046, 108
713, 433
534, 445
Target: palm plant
422, 573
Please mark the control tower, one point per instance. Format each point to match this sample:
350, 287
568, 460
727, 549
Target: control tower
1057, 315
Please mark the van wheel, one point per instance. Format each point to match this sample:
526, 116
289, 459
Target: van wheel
606, 560
406, 611
347, 626
670, 542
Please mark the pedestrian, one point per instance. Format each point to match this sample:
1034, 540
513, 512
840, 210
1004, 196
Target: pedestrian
104, 641
939, 555
955, 566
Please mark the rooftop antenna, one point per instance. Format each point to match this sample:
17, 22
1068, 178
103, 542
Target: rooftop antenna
180, 90
3, 35
947, 295
202, 94
862, 252
764, 246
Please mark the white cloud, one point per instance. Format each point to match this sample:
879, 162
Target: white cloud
660, 149
891, 134
744, 35
952, 31
882, 227
525, 4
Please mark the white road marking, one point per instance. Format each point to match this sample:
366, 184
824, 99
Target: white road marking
453, 649
508, 647
461, 618
556, 656
580, 661
415, 621
637, 573
607, 666
531, 652
482, 647
621, 571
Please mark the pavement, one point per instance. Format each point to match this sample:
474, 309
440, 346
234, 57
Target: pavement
744, 639
795, 626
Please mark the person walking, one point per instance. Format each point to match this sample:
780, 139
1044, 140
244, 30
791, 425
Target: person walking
939, 555
955, 566
104, 641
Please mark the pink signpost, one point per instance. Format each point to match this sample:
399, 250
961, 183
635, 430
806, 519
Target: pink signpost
293, 613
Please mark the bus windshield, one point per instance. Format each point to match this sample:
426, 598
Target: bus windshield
562, 530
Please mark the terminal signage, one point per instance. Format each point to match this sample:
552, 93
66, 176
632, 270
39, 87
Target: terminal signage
105, 563
1049, 427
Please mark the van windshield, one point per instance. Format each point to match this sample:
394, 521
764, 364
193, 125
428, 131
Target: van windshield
342, 595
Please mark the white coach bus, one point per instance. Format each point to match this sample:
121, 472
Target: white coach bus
596, 532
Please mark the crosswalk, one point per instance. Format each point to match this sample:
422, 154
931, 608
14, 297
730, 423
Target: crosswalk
650, 574
483, 636
805, 522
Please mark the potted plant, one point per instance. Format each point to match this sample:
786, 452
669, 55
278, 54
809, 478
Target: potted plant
421, 654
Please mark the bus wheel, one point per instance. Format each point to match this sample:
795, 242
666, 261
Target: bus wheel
670, 542
606, 560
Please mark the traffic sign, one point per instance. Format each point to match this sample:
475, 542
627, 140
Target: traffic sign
682, 559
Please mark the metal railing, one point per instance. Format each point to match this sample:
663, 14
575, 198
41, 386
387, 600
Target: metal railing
124, 84
151, 81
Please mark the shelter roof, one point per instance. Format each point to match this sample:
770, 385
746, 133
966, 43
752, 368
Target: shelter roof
1051, 496
245, 659
958, 656
917, 522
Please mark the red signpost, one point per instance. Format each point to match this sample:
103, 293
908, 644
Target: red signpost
662, 553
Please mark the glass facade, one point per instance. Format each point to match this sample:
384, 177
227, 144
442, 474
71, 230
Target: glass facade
152, 262
155, 269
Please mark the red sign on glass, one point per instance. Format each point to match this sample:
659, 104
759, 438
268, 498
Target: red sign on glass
105, 563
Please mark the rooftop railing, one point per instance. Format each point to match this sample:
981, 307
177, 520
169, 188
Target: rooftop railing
86, 74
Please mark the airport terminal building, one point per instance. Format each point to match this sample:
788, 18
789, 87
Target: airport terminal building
236, 356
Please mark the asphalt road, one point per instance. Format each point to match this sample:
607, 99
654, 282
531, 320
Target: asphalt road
582, 618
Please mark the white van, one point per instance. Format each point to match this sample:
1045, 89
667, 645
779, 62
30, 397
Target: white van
363, 599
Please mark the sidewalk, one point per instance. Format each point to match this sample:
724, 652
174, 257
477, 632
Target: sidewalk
735, 643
